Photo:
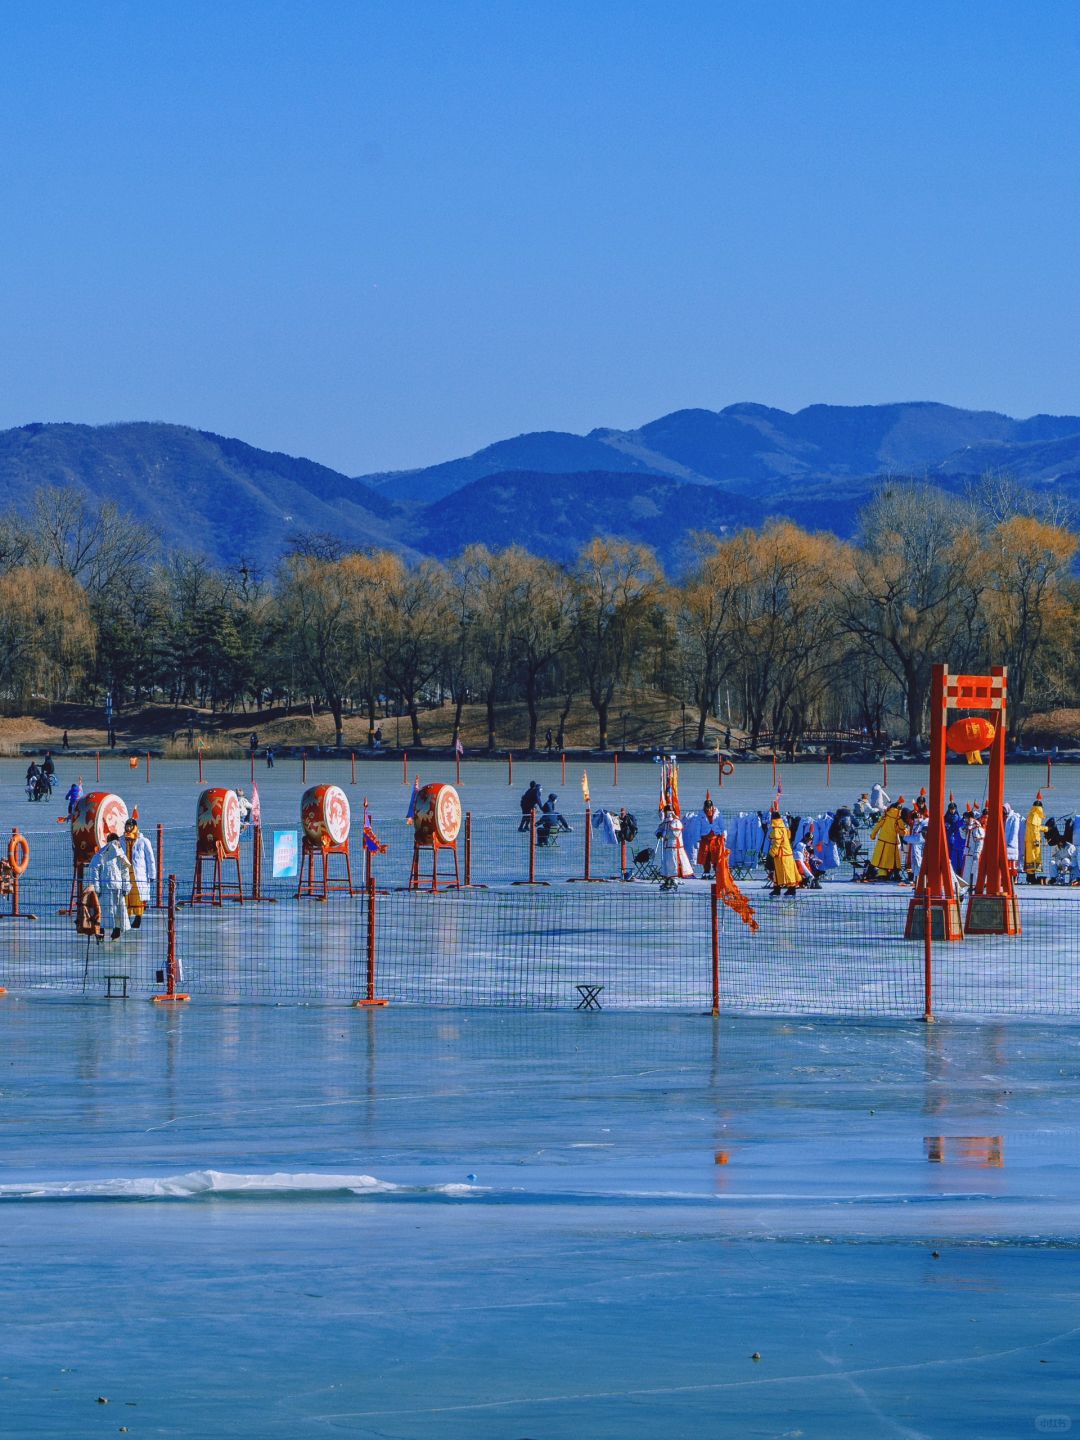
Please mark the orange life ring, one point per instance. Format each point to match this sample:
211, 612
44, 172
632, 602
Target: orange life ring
727, 767
18, 851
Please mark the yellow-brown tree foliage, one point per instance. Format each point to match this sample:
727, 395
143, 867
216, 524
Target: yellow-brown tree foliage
46, 634
1025, 599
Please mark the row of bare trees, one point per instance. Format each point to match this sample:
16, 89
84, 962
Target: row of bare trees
776, 631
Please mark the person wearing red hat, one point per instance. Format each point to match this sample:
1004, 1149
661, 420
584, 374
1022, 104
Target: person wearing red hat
703, 833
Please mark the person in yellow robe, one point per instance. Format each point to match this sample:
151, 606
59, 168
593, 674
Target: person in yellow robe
785, 876
888, 833
1034, 831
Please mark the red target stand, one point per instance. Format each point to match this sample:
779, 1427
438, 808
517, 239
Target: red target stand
436, 826
325, 819
993, 908
217, 841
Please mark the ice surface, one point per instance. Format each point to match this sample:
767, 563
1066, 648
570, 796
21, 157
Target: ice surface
276, 1233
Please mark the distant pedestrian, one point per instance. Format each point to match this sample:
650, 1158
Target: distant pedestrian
253, 742
64, 742
548, 739
112, 738
269, 758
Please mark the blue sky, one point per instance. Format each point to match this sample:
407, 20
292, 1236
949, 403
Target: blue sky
385, 234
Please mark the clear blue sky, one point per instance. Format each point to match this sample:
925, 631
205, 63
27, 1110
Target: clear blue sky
383, 233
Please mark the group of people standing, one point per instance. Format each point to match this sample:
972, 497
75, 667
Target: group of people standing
40, 778
899, 835
118, 881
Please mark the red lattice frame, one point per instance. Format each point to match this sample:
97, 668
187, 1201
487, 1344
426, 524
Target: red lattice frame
934, 885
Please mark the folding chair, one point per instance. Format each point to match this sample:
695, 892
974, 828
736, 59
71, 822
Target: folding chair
645, 866
743, 868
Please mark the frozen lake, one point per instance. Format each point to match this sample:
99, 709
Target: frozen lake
499, 853
169, 798
500, 1224
837, 951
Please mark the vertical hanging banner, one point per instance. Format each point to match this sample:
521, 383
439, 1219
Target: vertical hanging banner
286, 855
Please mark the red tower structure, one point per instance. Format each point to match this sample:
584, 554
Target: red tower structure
992, 906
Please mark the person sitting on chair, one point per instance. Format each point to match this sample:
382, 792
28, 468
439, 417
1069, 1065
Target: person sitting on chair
550, 822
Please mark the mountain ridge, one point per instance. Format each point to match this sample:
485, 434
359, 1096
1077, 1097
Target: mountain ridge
550, 491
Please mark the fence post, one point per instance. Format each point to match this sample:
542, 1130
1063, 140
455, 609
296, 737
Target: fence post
404, 767
1049, 765
160, 848
370, 998
928, 961
714, 909
588, 842
97, 765
352, 759
256, 862
885, 773
615, 781
564, 767
200, 766
15, 876
148, 767
303, 766
828, 771
468, 847
253, 767
172, 996
622, 858
509, 768
532, 846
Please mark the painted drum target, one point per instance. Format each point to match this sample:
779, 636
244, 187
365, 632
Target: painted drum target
96, 814
218, 822
437, 814
325, 815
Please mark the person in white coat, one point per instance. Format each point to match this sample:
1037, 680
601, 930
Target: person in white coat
1012, 821
109, 874
879, 799
674, 864
976, 834
916, 844
140, 854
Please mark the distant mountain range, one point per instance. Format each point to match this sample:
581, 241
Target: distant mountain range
549, 490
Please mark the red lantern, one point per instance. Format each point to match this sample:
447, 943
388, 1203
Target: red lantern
965, 737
